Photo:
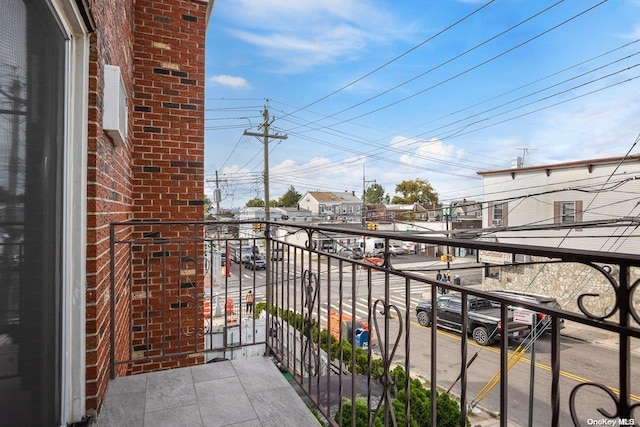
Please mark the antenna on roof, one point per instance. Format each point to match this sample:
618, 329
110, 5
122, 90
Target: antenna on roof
520, 159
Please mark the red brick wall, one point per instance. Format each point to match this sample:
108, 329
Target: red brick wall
158, 173
169, 110
168, 166
109, 187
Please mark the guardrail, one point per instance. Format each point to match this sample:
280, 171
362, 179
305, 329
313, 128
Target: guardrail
346, 329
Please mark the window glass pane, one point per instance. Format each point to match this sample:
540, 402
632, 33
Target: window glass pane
497, 211
492, 272
568, 212
32, 52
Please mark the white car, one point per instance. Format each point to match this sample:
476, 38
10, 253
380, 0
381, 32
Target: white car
396, 250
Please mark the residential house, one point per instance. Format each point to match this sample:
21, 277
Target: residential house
578, 204
102, 117
586, 205
331, 206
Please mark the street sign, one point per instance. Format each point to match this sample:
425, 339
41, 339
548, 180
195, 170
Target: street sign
522, 315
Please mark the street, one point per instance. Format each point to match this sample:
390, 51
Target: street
581, 362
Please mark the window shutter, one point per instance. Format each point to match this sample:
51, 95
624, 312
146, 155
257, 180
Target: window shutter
490, 214
505, 214
556, 212
578, 212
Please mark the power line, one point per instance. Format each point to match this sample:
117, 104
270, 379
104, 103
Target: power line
468, 70
396, 58
442, 64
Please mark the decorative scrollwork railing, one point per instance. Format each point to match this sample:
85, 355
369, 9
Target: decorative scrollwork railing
389, 386
310, 295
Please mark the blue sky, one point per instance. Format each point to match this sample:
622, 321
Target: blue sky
399, 90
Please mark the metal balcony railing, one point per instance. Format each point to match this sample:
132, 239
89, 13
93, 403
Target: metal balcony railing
345, 328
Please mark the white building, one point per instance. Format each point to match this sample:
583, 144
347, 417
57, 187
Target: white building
329, 205
584, 205
587, 204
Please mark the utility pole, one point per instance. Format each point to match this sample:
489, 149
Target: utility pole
216, 195
13, 95
364, 193
265, 135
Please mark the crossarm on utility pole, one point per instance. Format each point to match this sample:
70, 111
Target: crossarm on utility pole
265, 135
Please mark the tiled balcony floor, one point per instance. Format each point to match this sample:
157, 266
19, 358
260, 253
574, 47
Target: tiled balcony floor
242, 392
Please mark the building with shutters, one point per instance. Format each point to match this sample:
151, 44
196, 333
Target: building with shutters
586, 204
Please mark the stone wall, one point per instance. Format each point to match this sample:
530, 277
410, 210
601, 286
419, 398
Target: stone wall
563, 281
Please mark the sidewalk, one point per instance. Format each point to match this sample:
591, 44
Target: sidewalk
598, 337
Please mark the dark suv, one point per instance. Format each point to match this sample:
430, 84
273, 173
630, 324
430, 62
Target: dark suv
483, 318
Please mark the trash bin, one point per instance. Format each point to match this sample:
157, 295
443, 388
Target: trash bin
362, 338
456, 280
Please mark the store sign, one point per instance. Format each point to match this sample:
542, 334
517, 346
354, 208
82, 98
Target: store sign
494, 257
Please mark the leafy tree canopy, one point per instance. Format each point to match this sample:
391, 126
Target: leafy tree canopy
208, 204
415, 191
290, 198
374, 194
255, 203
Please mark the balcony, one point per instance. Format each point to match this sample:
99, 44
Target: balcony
326, 330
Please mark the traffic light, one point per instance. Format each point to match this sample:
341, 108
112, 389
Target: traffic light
375, 226
446, 258
369, 226
256, 227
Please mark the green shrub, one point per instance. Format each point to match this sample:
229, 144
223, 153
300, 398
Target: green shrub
447, 409
361, 414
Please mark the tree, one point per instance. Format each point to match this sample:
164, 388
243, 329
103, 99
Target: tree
374, 194
290, 198
415, 191
208, 204
255, 203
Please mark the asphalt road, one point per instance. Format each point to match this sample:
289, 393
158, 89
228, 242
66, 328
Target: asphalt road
581, 362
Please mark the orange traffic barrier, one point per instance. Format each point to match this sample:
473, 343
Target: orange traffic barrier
229, 306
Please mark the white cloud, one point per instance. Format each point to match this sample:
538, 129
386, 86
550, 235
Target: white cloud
302, 34
230, 81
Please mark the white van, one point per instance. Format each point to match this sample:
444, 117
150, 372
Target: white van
372, 246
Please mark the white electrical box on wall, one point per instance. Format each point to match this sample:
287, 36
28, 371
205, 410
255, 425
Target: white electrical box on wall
114, 113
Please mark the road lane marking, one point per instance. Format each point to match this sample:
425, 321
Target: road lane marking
542, 366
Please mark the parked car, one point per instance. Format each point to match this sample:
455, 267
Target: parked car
545, 300
276, 254
483, 318
396, 250
255, 262
351, 253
